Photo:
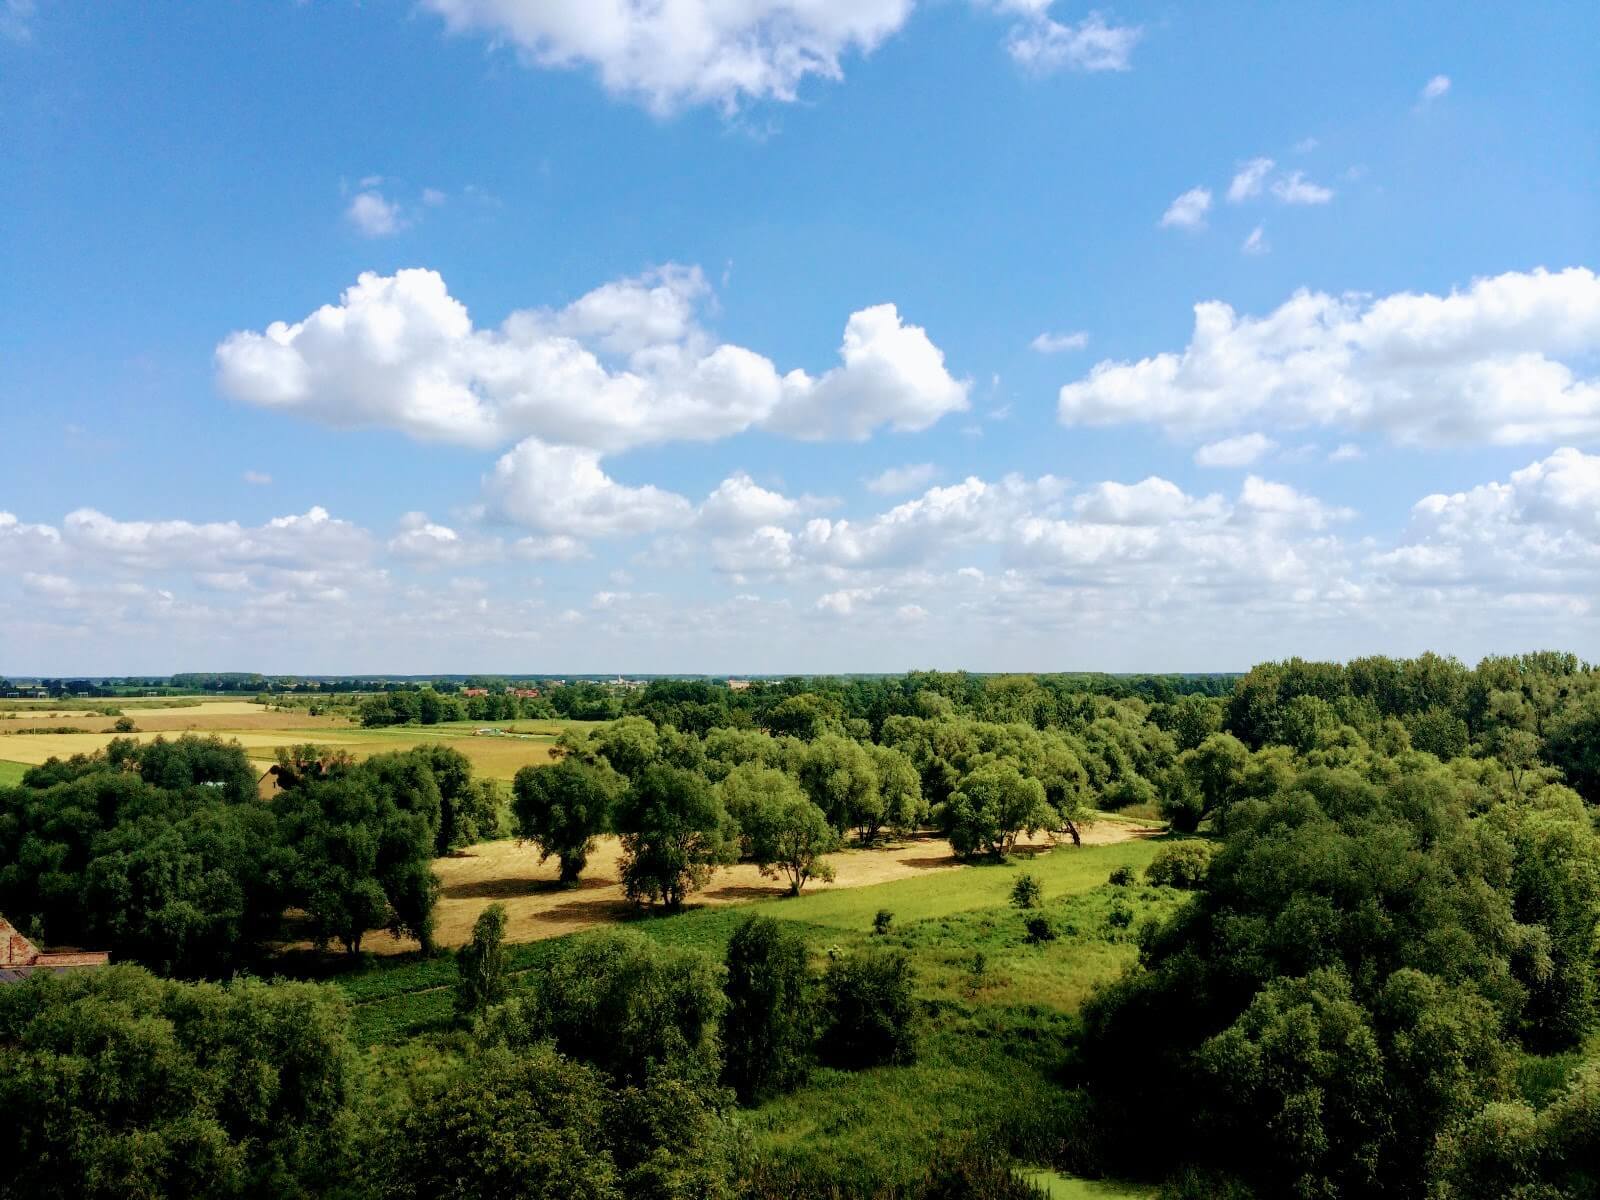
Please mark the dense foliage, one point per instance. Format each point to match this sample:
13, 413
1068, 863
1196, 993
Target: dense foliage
164, 853
117, 1084
1368, 968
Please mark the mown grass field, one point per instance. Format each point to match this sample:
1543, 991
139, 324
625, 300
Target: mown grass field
11, 773
993, 1040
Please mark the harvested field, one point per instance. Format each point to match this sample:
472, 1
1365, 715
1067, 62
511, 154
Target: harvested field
189, 720
491, 757
37, 747
537, 906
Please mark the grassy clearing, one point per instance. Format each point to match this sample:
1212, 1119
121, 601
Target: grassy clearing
1065, 1187
992, 1042
11, 773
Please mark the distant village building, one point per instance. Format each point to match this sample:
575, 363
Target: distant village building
738, 685
20, 958
474, 691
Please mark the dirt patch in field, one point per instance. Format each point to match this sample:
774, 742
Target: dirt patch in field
537, 906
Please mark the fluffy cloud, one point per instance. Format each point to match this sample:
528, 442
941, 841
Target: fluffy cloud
1295, 188
1435, 87
892, 375
308, 540
896, 481
1152, 501
730, 52
429, 544
1537, 533
1188, 211
1255, 242
625, 365
973, 511
688, 51
562, 490
22, 542
1238, 451
1247, 182
740, 503
373, 216
1480, 365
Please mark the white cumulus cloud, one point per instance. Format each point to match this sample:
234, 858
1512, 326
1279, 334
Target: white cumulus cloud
1483, 365
1238, 451
625, 365
563, 490
722, 52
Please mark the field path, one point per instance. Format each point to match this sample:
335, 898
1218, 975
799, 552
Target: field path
537, 906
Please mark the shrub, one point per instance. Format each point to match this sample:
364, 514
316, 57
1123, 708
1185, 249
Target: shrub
868, 1009
621, 1002
528, 1124
1040, 929
125, 725
1181, 864
482, 965
881, 921
1122, 877
1027, 891
769, 1026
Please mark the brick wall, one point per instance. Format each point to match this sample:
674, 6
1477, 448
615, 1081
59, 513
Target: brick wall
15, 950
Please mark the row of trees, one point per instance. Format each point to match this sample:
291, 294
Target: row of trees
164, 853
683, 805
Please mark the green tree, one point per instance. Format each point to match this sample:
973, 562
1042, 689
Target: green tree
769, 1028
1205, 782
362, 858
869, 1012
498, 1126
622, 1003
116, 1083
839, 777
674, 833
991, 808
783, 833
481, 964
902, 807
563, 808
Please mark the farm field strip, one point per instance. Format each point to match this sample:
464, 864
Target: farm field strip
262, 731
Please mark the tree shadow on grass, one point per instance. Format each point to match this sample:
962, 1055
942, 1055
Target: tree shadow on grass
510, 889
591, 911
747, 891
924, 864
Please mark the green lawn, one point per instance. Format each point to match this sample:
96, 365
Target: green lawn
11, 773
1065, 1187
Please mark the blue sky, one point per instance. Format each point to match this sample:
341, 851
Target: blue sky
650, 304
